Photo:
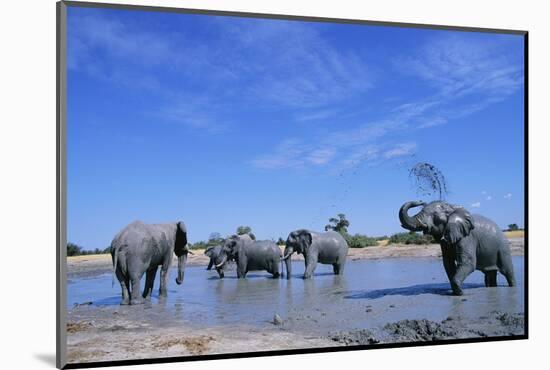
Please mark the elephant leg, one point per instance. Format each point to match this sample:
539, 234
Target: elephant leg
275, 268
220, 272
163, 291
506, 268
448, 262
338, 268
311, 264
462, 271
149, 282
210, 264
136, 297
490, 278
123, 280
510, 278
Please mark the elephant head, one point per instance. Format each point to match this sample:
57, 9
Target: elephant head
181, 249
439, 219
298, 241
230, 249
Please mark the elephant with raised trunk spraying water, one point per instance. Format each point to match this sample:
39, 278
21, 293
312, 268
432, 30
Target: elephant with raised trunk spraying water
141, 248
327, 248
468, 241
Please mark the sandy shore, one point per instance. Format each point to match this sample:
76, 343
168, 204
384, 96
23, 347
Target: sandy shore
92, 265
87, 339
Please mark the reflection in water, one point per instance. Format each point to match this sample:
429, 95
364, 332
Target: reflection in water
369, 293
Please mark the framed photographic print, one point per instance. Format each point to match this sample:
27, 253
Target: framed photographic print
234, 184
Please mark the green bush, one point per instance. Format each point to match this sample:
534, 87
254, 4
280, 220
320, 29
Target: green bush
411, 238
360, 241
76, 250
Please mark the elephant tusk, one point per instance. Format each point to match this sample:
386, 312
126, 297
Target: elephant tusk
221, 263
285, 257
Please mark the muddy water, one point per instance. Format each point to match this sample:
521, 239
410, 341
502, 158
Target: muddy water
370, 294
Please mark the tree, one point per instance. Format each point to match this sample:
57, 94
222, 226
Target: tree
241, 230
513, 227
280, 241
214, 239
73, 249
339, 224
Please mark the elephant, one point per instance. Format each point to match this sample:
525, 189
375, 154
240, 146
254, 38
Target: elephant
254, 255
140, 248
327, 248
214, 252
468, 241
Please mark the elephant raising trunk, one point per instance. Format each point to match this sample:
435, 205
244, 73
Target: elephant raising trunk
408, 222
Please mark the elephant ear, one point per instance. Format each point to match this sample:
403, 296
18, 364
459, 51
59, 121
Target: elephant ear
180, 242
459, 225
208, 251
306, 238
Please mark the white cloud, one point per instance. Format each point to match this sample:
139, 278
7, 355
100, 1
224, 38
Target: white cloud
320, 156
400, 150
508, 196
476, 205
484, 192
489, 197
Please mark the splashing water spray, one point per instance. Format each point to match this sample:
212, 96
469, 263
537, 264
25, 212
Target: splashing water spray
428, 180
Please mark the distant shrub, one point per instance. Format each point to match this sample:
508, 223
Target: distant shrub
411, 238
76, 250
360, 241
280, 241
198, 245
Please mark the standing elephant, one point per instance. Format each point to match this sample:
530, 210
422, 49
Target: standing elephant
327, 248
214, 252
141, 248
468, 241
251, 255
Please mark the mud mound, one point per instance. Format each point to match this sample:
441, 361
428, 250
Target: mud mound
360, 337
496, 324
419, 330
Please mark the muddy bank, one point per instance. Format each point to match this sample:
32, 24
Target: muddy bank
108, 340
495, 324
92, 265
102, 341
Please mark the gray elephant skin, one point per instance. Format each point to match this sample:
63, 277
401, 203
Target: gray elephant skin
141, 248
216, 258
327, 248
252, 255
468, 241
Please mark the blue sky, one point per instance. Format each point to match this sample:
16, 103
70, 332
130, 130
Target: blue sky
279, 125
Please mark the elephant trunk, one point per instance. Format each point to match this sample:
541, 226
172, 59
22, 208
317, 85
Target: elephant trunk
408, 222
288, 261
181, 268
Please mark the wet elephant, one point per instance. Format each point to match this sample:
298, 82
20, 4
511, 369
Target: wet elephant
252, 256
214, 252
468, 241
141, 248
327, 248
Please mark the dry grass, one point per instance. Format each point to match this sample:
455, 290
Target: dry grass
195, 345
74, 327
89, 257
515, 234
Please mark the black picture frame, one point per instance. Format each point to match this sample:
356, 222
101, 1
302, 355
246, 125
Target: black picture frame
61, 186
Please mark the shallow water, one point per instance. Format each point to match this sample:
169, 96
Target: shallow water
370, 293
